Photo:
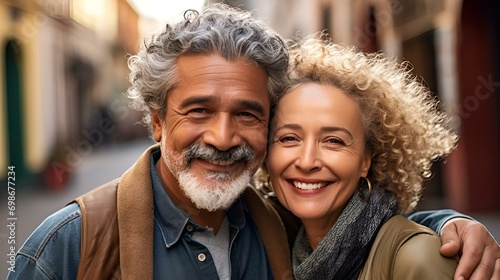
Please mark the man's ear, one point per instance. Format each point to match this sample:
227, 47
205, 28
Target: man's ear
156, 125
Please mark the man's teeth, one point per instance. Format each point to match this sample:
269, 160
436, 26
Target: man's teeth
308, 186
221, 162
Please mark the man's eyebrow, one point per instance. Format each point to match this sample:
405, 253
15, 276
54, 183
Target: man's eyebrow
255, 106
196, 100
247, 104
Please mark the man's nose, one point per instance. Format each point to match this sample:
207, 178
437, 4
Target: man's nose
222, 132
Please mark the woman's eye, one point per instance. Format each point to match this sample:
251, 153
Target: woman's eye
287, 139
335, 140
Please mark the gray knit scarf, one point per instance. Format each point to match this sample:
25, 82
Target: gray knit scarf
344, 250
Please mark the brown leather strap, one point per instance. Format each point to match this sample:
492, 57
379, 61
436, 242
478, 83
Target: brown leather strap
136, 219
272, 232
99, 255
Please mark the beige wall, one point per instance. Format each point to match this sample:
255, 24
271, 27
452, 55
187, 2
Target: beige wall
49, 34
27, 32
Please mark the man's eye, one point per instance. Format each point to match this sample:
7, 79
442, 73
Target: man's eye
198, 111
247, 115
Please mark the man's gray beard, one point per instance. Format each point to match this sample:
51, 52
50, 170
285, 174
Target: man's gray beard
213, 198
222, 191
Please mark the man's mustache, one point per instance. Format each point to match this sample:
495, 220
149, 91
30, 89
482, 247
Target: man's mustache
210, 153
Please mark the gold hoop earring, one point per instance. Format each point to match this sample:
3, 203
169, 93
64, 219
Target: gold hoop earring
369, 187
268, 187
269, 184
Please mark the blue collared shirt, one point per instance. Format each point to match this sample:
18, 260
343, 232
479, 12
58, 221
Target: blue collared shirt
53, 250
178, 256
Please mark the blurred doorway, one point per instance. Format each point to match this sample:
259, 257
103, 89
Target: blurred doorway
420, 51
14, 99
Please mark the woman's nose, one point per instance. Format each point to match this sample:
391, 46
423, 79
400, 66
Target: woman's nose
309, 159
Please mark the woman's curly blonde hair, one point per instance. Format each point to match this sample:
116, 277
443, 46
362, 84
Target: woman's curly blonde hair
404, 128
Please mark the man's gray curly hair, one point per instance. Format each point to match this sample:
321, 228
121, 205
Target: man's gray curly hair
216, 29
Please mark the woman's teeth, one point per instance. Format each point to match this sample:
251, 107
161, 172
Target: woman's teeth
308, 186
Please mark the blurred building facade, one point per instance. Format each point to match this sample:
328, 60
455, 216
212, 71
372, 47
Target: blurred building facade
452, 44
63, 71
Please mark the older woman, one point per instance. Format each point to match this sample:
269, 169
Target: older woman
351, 143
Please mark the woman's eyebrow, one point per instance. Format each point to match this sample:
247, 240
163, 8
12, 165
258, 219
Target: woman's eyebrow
335, 129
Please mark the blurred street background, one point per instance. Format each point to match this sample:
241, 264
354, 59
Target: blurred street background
65, 124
